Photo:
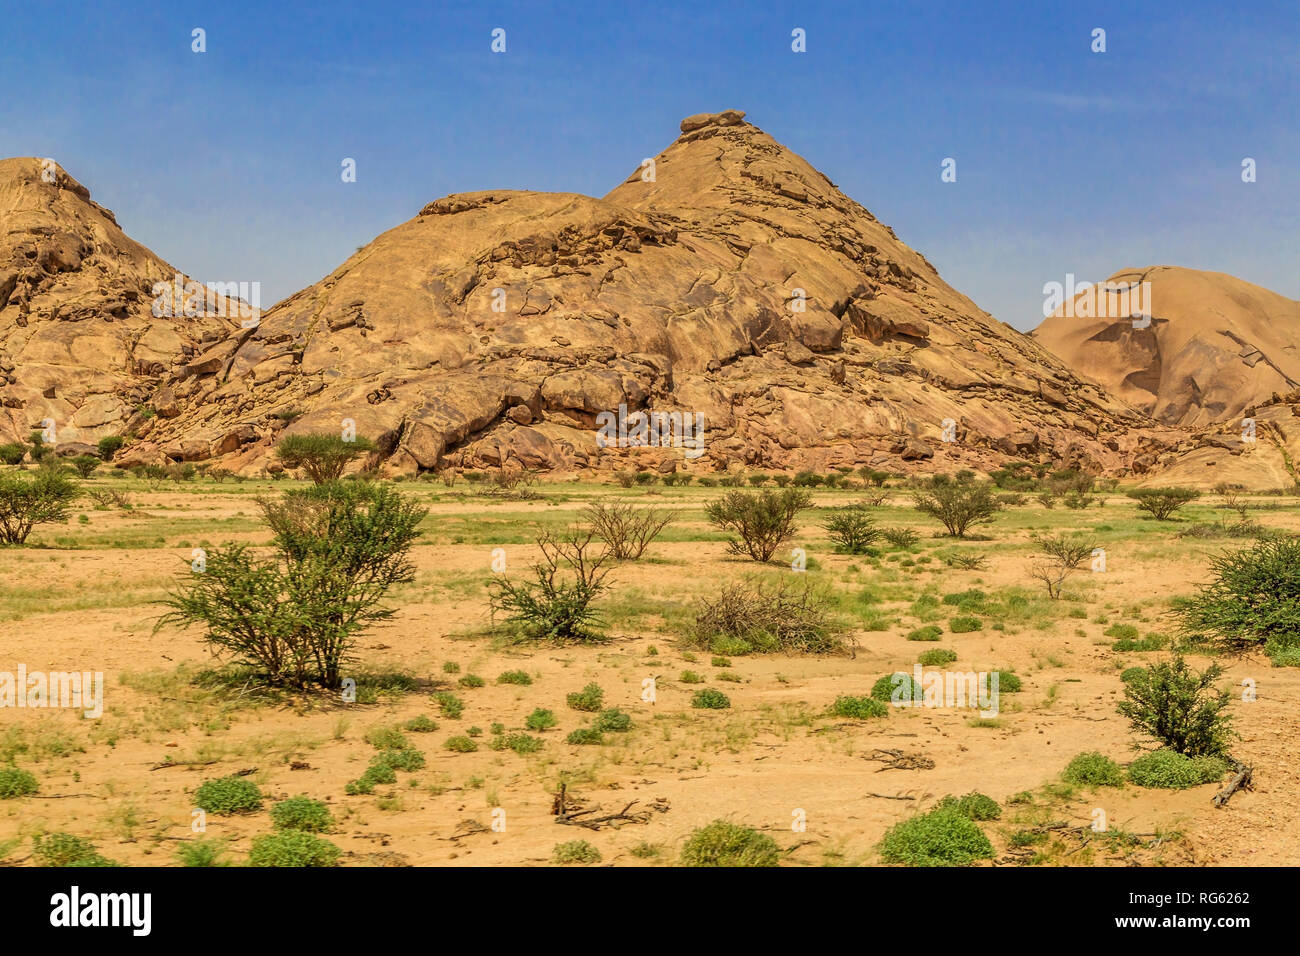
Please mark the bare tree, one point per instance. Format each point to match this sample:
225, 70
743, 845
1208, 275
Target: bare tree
1061, 556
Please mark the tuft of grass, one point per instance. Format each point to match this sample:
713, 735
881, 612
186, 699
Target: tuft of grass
936, 657
590, 699
941, 837
931, 632
575, 851
722, 843
302, 813
16, 783
710, 699
461, 745
228, 795
540, 719
296, 848
858, 708
1169, 770
1093, 769
515, 677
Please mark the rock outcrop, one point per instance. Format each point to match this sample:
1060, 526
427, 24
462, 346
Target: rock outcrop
80, 347
727, 279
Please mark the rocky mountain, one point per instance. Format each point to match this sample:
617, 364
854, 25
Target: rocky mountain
1213, 347
726, 279
80, 346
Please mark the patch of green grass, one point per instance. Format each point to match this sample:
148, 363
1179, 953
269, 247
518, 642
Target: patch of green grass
293, 848
710, 699
64, 849
936, 657
965, 624
722, 843
585, 737
202, 852
590, 699
302, 813
1167, 770
540, 719
941, 837
575, 851
1093, 769
16, 783
858, 708
973, 806
461, 745
931, 632
225, 796
521, 678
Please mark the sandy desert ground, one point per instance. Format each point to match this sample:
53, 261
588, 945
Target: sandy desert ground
83, 596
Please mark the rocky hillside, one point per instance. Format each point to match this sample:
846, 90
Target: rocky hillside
80, 346
729, 280
1214, 348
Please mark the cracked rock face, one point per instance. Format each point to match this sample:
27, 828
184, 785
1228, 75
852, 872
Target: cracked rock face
1216, 346
730, 279
79, 344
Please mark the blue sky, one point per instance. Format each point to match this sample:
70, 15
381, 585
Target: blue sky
227, 163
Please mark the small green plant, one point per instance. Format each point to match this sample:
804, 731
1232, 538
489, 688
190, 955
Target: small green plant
228, 795
973, 806
1252, 599
898, 686
450, 706
461, 745
858, 708
302, 813
16, 783
690, 677
590, 699
930, 632
471, 681
585, 737
521, 678
936, 657
1167, 770
202, 853
1179, 708
613, 721
420, 725
1162, 503
540, 719
722, 843
1093, 769
965, 624
710, 699
322, 456
293, 848
763, 520
575, 851
519, 743
108, 446
64, 849
941, 837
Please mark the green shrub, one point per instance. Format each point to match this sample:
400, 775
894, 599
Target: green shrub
764, 520
1130, 673
386, 737
575, 851
721, 843
585, 736
1008, 683
1122, 632
1167, 770
228, 795
12, 454
16, 783
1253, 598
964, 624
941, 837
931, 632
407, 758
420, 725
108, 446
1179, 707
936, 657
1093, 769
1161, 503
519, 743
461, 745
590, 699
202, 853
27, 502
293, 848
471, 681
64, 849
540, 719
690, 677
302, 813
515, 677
322, 456
731, 646
852, 530
900, 537
973, 806
858, 708
449, 704
557, 604
710, 699
613, 721
958, 506
294, 616
897, 686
